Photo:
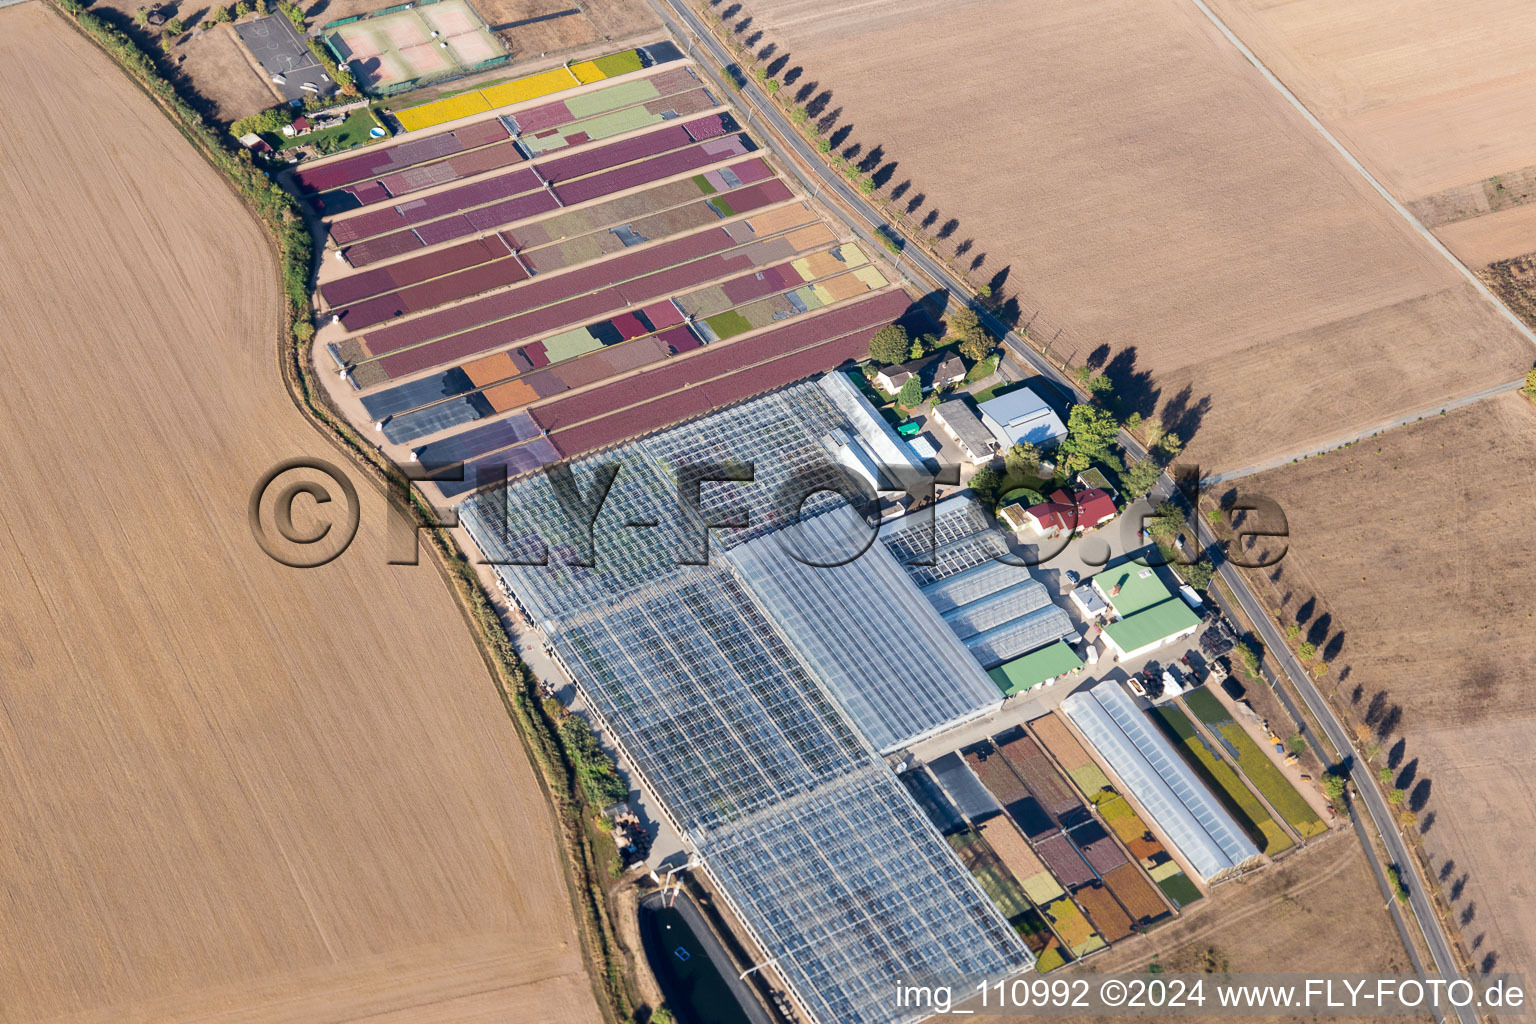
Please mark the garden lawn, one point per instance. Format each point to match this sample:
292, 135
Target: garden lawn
1255, 764
351, 132
1222, 780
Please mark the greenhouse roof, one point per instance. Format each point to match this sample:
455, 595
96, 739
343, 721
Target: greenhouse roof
1160, 780
822, 853
1034, 668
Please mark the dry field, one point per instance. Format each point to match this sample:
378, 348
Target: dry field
1147, 191
1317, 911
1428, 95
1410, 567
229, 788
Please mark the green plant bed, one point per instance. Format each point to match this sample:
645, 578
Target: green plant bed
1222, 780
986, 368
1254, 763
728, 324
1180, 889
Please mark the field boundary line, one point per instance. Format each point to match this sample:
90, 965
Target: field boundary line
1349, 157
1405, 420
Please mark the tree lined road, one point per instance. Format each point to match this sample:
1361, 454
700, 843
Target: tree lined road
816, 177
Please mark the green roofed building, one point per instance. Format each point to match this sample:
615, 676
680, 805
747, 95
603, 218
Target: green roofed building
1147, 614
1034, 668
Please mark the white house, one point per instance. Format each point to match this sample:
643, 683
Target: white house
1022, 415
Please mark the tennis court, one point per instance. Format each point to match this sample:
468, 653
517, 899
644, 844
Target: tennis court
400, 48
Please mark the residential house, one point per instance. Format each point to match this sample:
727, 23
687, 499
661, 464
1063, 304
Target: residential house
938, 369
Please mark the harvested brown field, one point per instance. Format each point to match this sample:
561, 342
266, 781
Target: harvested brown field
232, 789
1122, 170
1492, 237
1409, 567
1428, 95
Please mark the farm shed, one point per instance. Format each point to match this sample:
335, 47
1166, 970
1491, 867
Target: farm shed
960, 423
1030, 670
1147, 614
1022, 415
1187, 813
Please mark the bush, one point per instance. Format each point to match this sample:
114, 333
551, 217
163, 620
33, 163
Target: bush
174, 27
595, 770
242, 8
270, 120
890, 345
222, 15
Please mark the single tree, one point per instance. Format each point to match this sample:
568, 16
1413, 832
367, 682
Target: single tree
1307, 650
823, 146
174, 27
1292, 632
773, 86
987, 484
1529, 390
1170, 445
964, 328
1139, 478
1333, 786
1133, 422
911, 395
1396, 797
1384, 775
1023, 459
242, 8
1153, 432
1091, 433
222, 14
1297, 745
1213, 516
984, 292
141, 17
890, 345
918, 349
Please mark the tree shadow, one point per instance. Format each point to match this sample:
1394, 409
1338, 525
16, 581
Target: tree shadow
916, 203
950, 227
754, 39
1389, 721
1133, 388
804, 94
840, 136
1468, 914
872, 160
977, 262
1332, 648
1458, 887
930, 220
999, 279
1426, 823
1419, 798
1181, 416
1305, 612
1444, 873
776, 65
1318, 632
851, 153
1408, 774
743, 25
882, 175
1098, 357
898, 191
1489, 963
794, 75
964, 247
730, 12
767, 52
1395, 755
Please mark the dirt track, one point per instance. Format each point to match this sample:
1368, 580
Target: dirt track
229, 787
1148, 192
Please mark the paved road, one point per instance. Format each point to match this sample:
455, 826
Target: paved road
784, 140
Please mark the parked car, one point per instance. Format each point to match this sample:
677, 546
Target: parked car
1073, 577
